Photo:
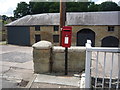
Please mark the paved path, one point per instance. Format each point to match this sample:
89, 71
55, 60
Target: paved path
17, 71
60, 80
16, 65
11, 53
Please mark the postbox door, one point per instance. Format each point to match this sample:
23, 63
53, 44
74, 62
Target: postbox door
66, 38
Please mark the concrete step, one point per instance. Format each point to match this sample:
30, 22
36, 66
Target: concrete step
61, 80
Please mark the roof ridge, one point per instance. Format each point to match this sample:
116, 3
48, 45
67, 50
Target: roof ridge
83, 18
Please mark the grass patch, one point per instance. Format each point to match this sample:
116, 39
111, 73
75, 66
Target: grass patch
2, 32
1, 20
3, 43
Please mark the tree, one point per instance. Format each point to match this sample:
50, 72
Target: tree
93, 7
108, 6
44, 7
21, 10
4, 17
72, 7
83, 6
77, 6
54, 7
36, 7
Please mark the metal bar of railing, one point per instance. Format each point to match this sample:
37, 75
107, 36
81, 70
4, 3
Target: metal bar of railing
102, 49
87, 70
87, 65
111, 70
104, 70
96, 70
118, 81
89, 51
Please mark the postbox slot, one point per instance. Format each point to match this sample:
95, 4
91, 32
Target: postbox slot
67, 30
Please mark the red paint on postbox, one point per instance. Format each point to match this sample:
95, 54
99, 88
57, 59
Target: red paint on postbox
66, 36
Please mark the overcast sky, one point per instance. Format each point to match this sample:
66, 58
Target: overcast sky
7, 6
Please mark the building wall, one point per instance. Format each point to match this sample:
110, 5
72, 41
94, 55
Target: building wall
18, 35
101, 32
46, 33
119, 34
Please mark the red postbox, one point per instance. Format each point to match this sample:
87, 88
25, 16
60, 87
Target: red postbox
66, 36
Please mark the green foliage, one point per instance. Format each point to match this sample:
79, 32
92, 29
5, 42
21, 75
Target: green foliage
108, 6
21, 10
44, 7
53, 7
93, 7
4, 19
77, 6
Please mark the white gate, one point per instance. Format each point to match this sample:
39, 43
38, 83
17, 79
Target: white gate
102, 68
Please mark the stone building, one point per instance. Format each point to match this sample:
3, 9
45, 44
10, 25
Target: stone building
103, 28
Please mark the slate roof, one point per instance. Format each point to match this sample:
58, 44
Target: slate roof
82, 18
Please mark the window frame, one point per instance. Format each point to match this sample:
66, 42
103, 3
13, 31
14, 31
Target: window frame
37, 28
36, 36
56, 28
56, 40
111, 28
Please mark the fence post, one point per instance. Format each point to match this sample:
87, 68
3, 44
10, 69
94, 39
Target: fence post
87, 65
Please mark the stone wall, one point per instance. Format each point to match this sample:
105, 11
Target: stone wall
48, 58
76, 59
42, 56
46, 33
101, 32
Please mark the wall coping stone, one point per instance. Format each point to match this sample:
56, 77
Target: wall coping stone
71, 49
42, 45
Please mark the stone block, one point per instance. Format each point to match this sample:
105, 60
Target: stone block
41, 68
59, 56
42, 56
76, 61
58, 62
58, 66
41, 60
37, 54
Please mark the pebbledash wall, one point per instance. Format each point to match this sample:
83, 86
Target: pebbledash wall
48, 58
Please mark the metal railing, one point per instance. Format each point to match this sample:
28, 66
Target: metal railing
102, 69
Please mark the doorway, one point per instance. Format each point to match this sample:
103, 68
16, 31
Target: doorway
84, 35
110, 41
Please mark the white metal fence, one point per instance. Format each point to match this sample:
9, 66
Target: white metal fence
102, 68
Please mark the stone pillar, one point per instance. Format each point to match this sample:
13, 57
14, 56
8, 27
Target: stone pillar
42, 56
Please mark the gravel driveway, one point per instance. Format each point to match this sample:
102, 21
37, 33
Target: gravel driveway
11, 53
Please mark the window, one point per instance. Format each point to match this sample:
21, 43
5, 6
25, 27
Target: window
56, 38
110, 28
37, 38
56, 28
37, 28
